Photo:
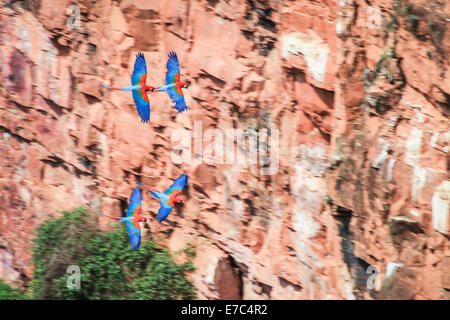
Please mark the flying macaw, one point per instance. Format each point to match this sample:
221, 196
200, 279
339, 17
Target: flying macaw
173, 84
133, 218
139, 88
169, 197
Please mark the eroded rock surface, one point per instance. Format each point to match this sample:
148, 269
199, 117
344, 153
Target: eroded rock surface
361, 105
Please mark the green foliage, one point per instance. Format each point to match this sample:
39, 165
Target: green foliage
8, 293
189, 250
110, 269
162, 279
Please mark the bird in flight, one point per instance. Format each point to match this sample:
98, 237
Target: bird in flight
168, 199
133, 218
173, 84
138, 88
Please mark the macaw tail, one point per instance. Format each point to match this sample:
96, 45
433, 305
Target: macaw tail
115, 218
152, 192
107, 87
129, 88
162, 88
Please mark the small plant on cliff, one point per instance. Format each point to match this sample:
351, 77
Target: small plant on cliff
380, 68
109, 269
412, 20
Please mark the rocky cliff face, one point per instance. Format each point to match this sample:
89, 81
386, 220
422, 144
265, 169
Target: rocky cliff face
354, 196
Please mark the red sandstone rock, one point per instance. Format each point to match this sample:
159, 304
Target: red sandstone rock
363, 173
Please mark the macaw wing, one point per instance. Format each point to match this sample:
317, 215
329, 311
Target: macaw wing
177, 97
134, 208
135, 202
139, 75
140, 97
163, 211
142, 104
173, 68
173, 76
134, 234
178, 184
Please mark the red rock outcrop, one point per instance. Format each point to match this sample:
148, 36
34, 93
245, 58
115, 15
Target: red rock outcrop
359, 96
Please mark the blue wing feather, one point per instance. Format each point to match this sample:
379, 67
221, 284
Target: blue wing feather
163, 211
180, 103
134, 234
135, 201
173, 67
178, 184
142, 106
140, 68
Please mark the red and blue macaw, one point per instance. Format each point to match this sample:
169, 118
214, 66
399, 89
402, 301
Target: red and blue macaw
168, 199
173, 84
133, 218
139, 88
